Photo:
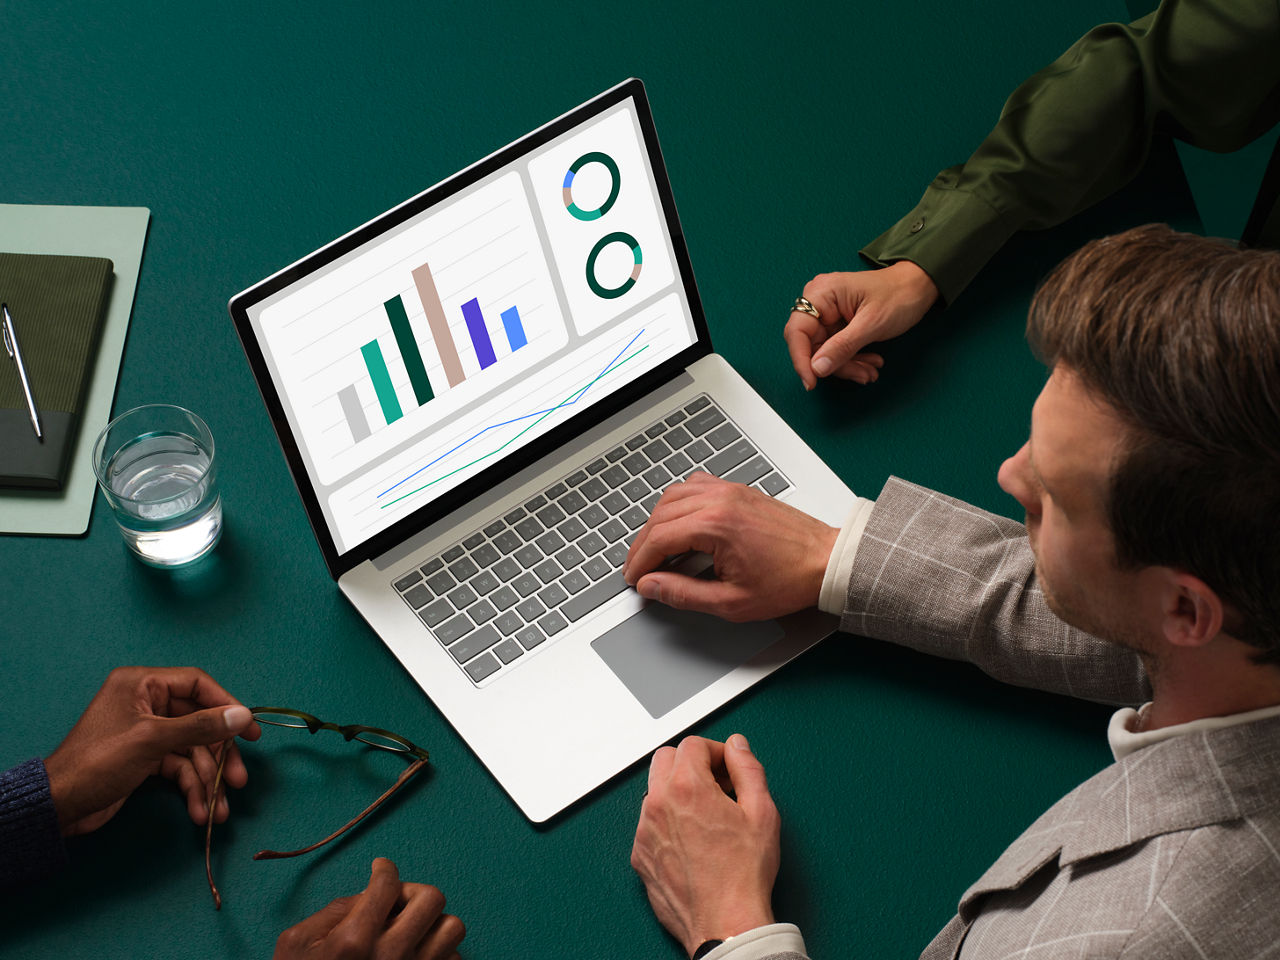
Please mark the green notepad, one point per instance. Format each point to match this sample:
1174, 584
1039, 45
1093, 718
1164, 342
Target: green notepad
58, 305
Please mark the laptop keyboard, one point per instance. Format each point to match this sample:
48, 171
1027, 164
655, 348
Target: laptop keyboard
510, 587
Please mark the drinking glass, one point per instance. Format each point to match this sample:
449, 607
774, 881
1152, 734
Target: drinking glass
155, 466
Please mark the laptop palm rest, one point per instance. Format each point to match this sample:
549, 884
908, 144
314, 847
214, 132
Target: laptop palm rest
664, 656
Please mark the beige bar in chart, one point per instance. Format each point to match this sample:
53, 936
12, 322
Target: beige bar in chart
434, 310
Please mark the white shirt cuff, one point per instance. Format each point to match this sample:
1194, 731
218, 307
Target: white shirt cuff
760, 942
835, 583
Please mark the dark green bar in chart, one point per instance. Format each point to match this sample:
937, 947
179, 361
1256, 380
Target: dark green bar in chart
409, 349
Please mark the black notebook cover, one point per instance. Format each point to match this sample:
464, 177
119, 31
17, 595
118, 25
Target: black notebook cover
58, 305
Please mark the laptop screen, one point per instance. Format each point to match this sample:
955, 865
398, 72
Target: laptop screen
434, 351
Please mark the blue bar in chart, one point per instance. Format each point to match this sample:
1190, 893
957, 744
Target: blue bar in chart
515, 330
479, 335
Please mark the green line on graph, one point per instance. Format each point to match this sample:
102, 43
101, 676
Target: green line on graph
569, 399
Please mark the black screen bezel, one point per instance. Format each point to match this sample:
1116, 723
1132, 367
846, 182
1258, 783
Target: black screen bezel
239, 306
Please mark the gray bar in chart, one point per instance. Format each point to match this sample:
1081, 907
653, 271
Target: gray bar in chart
354, 413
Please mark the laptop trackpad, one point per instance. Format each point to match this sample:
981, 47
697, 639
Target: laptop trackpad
664, 656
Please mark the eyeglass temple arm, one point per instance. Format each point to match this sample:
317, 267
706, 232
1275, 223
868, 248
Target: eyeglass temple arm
409, 771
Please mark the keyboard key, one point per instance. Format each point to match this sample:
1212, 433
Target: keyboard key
452, 554
594, 596
478, 642
528, 555
536, 504
655, 430
551, 515
697, 405
774, 484
505, 569
515, 516
508, 623
441, 583
404, 583
572, 529
419, 596
634, 517
572, 502
698, 451
595, 466
615, 476
504, 598
473, 541
658, 477
553, 596
656, 451
553, 623
616, 454
530, 528
436, 613
547, 571
550, 542
675, 418
462, 597
530, 637
508, 650
526, 584
569, 557
484, 582
431, 566
636, 463
649, 502
617, 555
636, 442
576, 478
485, 555
573, 581
531, 609
594, 489
677, 438
722, 436
636, 489
593, 516
464, 569
591, 543
556, 491
596, 567
679, 465
727, 459
495, 528
482, 612
507, 541
454, 629
482, 667
750, 472
614, 530
704, 421
616, 502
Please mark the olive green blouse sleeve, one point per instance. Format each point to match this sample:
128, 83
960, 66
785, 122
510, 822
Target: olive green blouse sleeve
1205, 71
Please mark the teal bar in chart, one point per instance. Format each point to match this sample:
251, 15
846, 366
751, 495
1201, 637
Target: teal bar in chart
381, 381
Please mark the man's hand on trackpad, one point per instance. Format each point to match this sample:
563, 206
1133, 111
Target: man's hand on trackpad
769, 557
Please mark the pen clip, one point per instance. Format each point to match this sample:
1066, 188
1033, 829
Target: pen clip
8, 338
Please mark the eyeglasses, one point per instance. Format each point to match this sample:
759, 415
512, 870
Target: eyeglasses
283, 717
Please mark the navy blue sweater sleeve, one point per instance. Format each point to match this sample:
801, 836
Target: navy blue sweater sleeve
31, 846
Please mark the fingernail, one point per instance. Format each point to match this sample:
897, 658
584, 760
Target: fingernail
822, 366
236, 718
647, 588
738, 742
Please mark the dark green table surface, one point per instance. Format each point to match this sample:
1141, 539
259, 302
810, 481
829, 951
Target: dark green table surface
256, 132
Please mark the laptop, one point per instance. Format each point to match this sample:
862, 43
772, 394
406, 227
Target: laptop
481, 393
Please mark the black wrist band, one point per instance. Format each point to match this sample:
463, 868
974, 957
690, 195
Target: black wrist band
706, 948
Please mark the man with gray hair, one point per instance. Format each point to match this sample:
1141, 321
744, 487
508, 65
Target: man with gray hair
1145, 576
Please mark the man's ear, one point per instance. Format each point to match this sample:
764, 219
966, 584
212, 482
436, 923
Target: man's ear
1192, 612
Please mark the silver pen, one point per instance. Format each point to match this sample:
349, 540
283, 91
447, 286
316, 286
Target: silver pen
11, 347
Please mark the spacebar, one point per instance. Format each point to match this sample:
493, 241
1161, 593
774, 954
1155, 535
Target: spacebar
594, 596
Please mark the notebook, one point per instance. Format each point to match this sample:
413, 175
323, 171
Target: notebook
481, 393
57, 305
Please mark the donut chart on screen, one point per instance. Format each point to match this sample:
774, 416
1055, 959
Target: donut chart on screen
615, 179
610, 293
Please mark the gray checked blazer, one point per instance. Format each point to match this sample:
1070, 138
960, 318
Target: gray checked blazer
1172, 852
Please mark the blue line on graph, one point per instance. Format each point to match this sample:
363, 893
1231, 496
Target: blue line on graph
494, 426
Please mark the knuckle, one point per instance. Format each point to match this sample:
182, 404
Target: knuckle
452, 929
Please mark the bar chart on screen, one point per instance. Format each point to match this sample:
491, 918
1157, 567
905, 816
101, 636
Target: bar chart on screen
402, 336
